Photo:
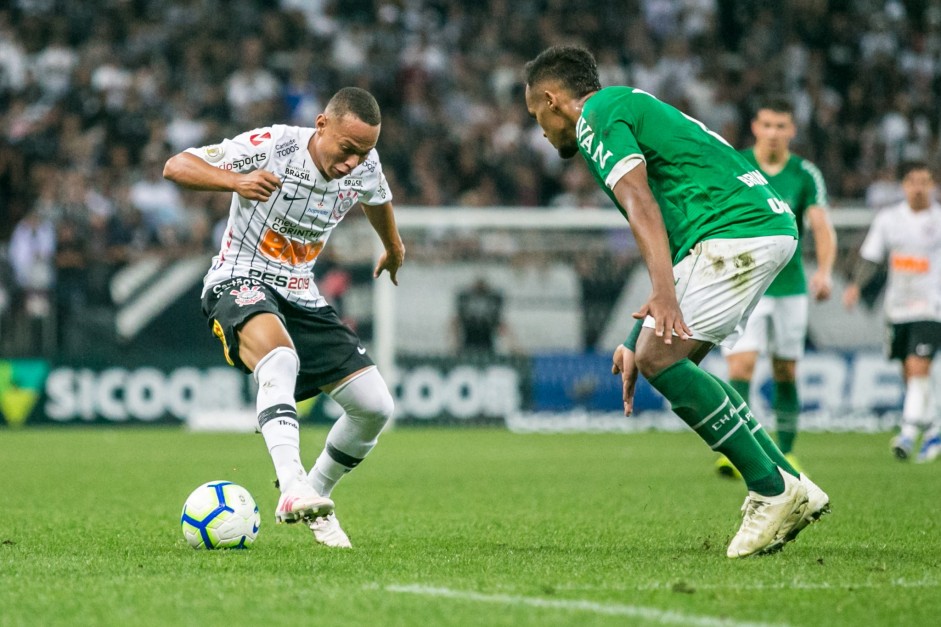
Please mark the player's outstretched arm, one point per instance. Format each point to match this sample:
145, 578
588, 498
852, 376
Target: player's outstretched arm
633, 193
382, 219
191, 172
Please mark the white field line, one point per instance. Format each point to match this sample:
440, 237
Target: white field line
781, 585
652, 614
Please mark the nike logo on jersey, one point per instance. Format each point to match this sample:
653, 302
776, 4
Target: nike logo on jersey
293, 198
360, 350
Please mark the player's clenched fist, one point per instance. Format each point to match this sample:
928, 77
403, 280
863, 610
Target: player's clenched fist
257, 185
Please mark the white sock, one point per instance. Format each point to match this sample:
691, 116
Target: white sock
276, 375
367, 406
917, 406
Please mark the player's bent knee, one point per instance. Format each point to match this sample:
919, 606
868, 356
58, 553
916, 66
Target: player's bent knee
366, 399
650, 364
282, 362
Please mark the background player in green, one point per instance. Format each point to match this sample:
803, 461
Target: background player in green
778, 325
713, 234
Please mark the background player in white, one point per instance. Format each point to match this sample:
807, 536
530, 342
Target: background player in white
908, 237
778, 325
292, 186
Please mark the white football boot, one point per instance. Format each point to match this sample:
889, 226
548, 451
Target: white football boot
902, 447
764, 517
327, 531
930, 450
301, 502
818, 504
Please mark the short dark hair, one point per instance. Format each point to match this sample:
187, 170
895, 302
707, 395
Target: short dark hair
573, 66
910, 166
776, 103
357, 101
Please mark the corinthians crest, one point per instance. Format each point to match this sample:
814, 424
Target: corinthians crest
246, 295
343, 204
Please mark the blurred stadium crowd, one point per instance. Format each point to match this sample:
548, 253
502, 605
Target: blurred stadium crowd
95, 96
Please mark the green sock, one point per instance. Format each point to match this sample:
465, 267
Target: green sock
703, 404
786, 408
742, 387
765, 440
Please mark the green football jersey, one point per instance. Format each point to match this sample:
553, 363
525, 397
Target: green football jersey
801, 185
705, 188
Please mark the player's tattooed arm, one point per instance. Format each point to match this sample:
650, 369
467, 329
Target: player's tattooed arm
863, 274
191, 172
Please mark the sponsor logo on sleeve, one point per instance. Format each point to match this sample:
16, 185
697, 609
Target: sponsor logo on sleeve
244, 162
214, 153
259, 138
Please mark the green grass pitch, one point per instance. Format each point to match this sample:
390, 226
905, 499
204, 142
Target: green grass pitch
459, 527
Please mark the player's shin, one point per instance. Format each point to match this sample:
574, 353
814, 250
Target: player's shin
916, 409
699, 399
276, 374
786, 406
754, 427
367, 407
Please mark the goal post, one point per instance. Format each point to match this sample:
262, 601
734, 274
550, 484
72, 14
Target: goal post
413, 221
570, 278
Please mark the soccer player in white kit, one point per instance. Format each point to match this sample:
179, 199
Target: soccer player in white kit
908, 237
291, 187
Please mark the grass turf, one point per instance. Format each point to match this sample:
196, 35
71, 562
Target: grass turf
475, 526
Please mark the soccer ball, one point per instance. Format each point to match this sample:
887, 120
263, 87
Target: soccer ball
220, 515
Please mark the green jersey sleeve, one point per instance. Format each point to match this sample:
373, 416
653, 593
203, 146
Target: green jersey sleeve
704, 188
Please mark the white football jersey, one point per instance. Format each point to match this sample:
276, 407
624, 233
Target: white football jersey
910, 242
278, 241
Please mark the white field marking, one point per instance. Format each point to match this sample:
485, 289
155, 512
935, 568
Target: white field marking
781, 585
652, 614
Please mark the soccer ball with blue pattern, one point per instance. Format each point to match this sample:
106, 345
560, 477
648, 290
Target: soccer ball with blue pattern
220, 515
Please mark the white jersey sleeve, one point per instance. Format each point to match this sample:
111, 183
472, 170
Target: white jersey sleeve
875, 246
243, 153
375, 188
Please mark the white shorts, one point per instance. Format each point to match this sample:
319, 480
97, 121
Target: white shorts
721, 281
778, 326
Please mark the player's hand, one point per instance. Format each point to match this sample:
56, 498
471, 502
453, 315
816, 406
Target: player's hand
625, 365
390, 261
257, 185
821, 285
667, 317
851, 296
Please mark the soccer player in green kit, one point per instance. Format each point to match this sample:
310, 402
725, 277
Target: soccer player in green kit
713, 235
778, 325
